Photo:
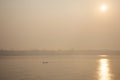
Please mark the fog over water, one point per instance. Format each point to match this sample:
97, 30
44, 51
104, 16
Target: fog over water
59, 39
59, 24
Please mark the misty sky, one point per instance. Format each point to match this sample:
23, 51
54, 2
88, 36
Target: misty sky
59, 24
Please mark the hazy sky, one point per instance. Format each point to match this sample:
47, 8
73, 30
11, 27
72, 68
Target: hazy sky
59, 24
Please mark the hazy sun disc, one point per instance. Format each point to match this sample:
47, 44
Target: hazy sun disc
103, 8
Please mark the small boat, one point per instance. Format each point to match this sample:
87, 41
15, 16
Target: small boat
44, 62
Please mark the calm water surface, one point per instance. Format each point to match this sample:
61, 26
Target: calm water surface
62, 67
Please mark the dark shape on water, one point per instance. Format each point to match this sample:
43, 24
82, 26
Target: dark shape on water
44, 62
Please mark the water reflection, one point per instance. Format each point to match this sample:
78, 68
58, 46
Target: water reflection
104, 69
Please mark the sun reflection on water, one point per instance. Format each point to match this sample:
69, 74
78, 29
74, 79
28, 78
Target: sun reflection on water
104, 70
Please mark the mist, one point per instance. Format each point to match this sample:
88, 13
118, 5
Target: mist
59, 24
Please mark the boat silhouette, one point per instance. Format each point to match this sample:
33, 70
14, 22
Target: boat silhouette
44, 62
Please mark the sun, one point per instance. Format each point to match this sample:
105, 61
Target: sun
103, 8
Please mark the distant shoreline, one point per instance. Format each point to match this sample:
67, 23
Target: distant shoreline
67, 52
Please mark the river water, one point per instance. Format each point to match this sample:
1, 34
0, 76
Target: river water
60, 67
